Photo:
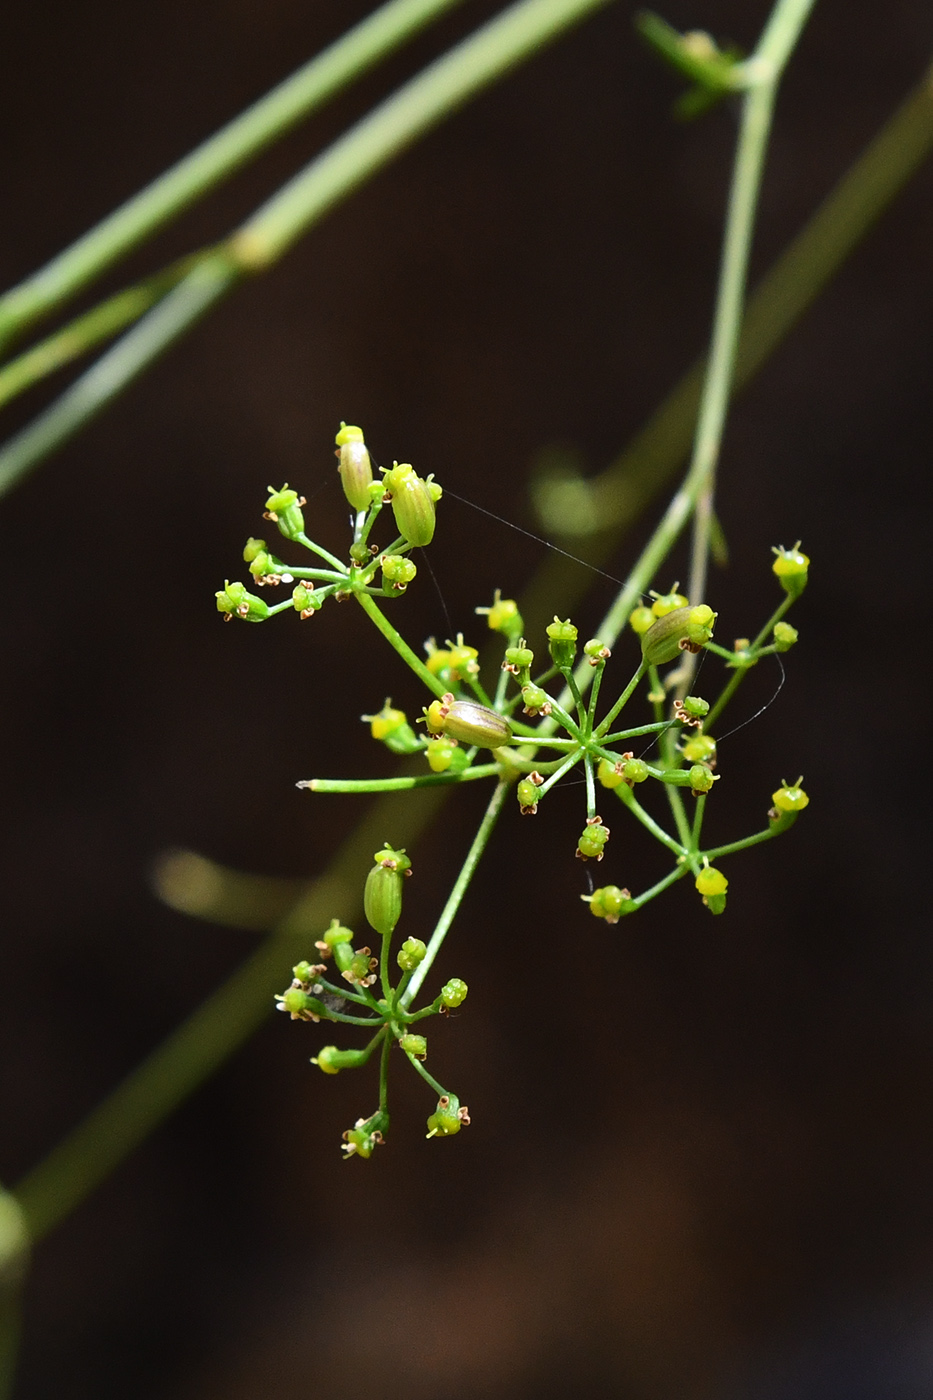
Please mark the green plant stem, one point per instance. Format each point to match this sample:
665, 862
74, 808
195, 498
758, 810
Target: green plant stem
622, 734
468, 870
429, 1078
676, 874
86, 332
559, 772
435, 92
775, 829
606, 722
740, 673
323, 553
698, 822
628, 798
215, 159
398, 643
175, 314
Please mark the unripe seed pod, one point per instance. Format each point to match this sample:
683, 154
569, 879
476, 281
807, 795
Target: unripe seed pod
791, 568
711, 882
355, 468
536, 700
527, 793
640, 620
440, 753
562, 641
521, 657
337, 934
688, 628
300, 1006
695, 707
305, 601
700, 749
592, 840
610, 903
360, 1140
448, 1118
472, 723
609, 774
284, 507
463, 659
701, 779
397, 573
252, 548
411, 954
635, 771
332, 1061
416, 1045
412, 504
784, 636
343, 956
453, 993
303, 972
382, 893
595, 652
234, 601
665, 603
790, 797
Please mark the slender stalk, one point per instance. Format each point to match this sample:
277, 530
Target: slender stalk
429, 1078
741, 672
625, 795
397, 641
468, 870
216, 159
674, 875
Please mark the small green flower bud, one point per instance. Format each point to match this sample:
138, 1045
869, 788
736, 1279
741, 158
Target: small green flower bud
562, 643
700, 749
391, 728
684, 629
527, 793
412, 504
537, 701
343, 956
473, 723
234, 601
303, 972
784, 636
665, 603
305, 601
416, 1045
701, 779
332, 1061
252, 548
634, 770
503, 616
695, 707
382, 894
520, 657
453, 993
411, 953
463, 659
610, 903
261, 564
366, 1134
300, 1006
448, 1118
791, 568
284, 507
361, 971
640, 620
790, 797
715, 903
337, 934
397, 573
355, 468
592, 840
440, 753
596, 653
434, 717
711, 882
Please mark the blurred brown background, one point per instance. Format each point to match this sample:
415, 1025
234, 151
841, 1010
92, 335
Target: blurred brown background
700, 1155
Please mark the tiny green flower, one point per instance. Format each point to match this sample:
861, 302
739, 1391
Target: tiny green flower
634, 770
784, 636
416, 1045
397, 573
391, 727
700, 749
790, 797
411, 954
791, 568
234, 601
365, 1135
592, 840
610, 903
665, 603
610, 774
448, 1118
562, 642
332, 1061
503, 616
453, 993
284, 508
640, 620
526, 791
701, 779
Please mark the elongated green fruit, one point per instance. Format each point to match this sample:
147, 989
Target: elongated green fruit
476, 724
684, 629
382, 894
355, 467
412, 504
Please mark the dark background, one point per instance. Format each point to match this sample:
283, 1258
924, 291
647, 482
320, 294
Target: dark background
700, 1155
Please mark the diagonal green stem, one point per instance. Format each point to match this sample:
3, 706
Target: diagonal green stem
216, 159
468, 870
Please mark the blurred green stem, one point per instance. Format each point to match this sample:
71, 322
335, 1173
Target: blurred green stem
433, 94
215, 159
